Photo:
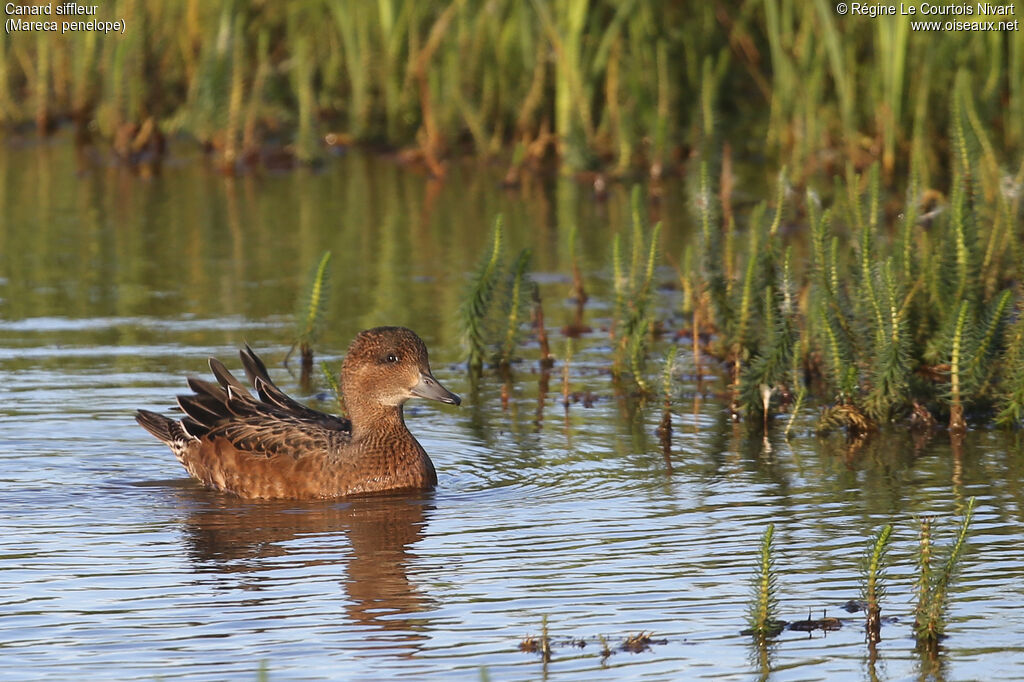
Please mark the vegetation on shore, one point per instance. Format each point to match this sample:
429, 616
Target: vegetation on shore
596, 84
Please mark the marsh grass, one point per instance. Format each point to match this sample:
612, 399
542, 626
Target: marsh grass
598, 83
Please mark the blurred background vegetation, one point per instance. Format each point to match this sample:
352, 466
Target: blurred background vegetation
625, 87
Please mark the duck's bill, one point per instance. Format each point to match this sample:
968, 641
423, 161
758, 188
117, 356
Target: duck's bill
429, 388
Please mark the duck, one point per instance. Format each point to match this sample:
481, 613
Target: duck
270, 446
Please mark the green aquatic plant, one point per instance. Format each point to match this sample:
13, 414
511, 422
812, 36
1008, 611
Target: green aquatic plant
634, 295
331, 379
475, 309
772, 366
764, 603
515, 308
495, 306
873, 581
910, 321
310, 313
933, 584
1011, 402
889, 375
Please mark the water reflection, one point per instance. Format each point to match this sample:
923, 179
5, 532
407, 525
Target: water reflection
112, 288
369, 541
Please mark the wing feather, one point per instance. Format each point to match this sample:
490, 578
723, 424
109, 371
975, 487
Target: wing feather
271, 425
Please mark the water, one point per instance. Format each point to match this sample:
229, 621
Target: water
114, 565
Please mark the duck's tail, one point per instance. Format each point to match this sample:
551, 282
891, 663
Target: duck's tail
167, 430
156, 424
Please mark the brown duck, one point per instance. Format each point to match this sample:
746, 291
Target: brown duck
274, 447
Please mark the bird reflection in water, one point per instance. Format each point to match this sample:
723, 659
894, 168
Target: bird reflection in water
248, 541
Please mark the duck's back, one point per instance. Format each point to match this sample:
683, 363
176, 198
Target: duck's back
272, 447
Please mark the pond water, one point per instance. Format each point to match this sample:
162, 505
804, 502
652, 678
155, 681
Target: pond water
113, 564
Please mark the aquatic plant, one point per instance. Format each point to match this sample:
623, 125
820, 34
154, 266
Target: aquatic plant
635, 643
310, 313
567, 360
914, 320
933, 584
763, 616
331, 379
546, 359
873, 581
667, 384
633, 312
477, 303
494, 306
1011, 402
514, 308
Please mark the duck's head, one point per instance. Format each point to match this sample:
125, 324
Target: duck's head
387, 366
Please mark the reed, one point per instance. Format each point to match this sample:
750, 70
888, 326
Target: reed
546, 361
567, 361
599, 82
540, 645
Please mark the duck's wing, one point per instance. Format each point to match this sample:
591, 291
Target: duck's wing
270, 394
275, 424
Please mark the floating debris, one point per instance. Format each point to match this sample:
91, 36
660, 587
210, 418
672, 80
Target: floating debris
855, 606
538, 645
824, 623
544, 645
641, 641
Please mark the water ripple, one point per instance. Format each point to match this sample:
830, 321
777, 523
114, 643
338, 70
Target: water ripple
118, 563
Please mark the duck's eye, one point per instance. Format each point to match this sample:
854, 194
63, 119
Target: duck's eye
391, 358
